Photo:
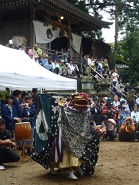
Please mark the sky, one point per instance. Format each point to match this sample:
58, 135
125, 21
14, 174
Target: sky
108, 34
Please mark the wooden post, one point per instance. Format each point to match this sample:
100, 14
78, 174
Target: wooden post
32, 31
69, 39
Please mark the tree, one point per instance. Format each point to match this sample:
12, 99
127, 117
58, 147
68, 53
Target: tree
131, 56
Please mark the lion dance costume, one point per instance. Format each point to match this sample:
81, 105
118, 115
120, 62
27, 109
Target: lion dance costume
62, 133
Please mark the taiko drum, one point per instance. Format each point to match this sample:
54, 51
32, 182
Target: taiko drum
23, 131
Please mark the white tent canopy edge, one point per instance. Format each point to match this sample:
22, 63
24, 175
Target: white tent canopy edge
19, 71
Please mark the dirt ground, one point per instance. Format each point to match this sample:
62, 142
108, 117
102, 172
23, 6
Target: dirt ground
118, 164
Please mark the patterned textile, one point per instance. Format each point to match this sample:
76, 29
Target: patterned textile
56, 124
46, 129
77, 138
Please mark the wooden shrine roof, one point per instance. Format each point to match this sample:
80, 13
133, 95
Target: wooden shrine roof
58, 7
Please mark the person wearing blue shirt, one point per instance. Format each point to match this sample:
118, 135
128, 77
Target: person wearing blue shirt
10, 114
16, 101
28, 111
123, 112
55, 56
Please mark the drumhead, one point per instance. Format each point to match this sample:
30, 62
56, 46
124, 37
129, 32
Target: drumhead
21, 123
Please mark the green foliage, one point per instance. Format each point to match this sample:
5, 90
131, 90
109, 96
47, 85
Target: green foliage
131, 56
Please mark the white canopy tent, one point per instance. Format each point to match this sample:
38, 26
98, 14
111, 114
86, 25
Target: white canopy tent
19, 71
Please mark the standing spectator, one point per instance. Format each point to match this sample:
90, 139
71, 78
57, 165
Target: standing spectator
84, 65
116, 101
115, 77
96, 111
88, 60
98, 67
127, 88
119, 87
108, 109
93, 63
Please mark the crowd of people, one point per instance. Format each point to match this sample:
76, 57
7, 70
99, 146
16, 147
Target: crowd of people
108, 117
62, 64
117, 117
15, 108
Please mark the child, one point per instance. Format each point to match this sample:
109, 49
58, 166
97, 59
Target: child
10, 114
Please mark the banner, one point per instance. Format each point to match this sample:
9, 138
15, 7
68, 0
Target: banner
76, 42
45, 34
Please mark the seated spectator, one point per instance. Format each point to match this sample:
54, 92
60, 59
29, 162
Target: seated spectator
36, 50
76, 70
70, 68
127, 130
6, 152
56, 57
49, 65
30, 53
55, 67
135, 115
105, 72
36, 58
63, 68
43, 61
66, 55
110, 125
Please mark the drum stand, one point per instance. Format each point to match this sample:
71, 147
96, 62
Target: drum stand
24, 144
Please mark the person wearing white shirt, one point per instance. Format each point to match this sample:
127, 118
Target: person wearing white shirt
89, 60
115, 77
110, 129
71, 68
55, 67
135, 115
